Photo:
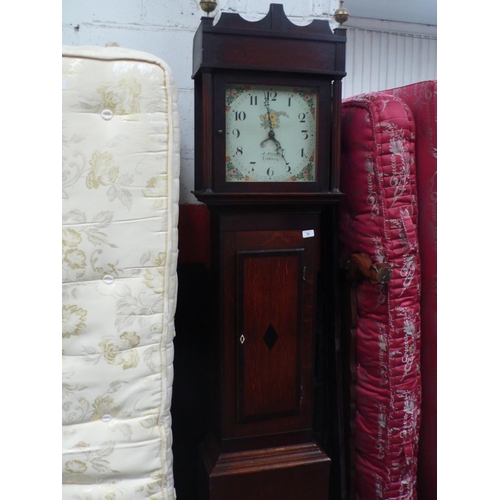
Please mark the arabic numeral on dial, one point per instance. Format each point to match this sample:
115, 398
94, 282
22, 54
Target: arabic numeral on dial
253, 100
239, 115
288, 168
306, 135
271, 96
302, 154
270, 172
236, 133
302, 117
239, 151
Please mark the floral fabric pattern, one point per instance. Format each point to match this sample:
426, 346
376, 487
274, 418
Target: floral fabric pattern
379, 216
421, 98
123, 97
119, 259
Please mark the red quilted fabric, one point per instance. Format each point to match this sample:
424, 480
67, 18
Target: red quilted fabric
421, 98
379, 217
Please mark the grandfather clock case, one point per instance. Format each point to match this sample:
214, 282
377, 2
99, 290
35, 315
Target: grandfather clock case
267, 159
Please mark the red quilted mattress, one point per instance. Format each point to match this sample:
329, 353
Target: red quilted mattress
421, 98
379, 217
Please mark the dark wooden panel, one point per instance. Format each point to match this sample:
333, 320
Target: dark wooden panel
285, 373
233, 51
298, 472
272, 44
270, 333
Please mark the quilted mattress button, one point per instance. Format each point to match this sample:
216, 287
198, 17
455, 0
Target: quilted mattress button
106, 417
109, 280
107, 114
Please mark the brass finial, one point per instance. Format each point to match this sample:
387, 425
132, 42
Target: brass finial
341, 15
208, 5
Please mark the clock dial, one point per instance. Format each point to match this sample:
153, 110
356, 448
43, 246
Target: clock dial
270, 133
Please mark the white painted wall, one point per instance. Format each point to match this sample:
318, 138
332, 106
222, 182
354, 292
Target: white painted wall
166, 28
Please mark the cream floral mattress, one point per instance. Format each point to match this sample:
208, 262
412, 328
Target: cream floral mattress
119, 258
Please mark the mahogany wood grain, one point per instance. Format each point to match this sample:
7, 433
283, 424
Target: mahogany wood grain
269, 372
235, 50
235, 43
264, 270
268, 279
294, 472
335, 139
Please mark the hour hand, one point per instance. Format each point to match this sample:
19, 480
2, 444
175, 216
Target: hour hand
271, 134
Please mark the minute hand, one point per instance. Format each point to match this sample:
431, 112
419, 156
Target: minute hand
271, 134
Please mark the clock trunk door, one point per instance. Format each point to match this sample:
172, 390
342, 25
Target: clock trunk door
271, 289
269, 294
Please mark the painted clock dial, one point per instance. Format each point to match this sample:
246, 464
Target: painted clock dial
270, 133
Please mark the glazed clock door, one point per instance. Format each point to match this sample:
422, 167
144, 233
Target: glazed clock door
270, 133
269, 292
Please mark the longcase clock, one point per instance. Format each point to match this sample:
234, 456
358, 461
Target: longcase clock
267, 113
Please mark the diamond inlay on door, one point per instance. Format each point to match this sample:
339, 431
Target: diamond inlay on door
270, 337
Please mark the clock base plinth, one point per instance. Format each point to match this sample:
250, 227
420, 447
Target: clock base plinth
294, 472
